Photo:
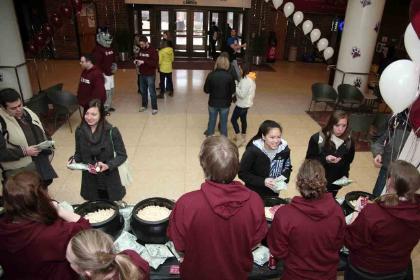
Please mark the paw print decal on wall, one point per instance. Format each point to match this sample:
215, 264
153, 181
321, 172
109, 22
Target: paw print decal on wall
355, 52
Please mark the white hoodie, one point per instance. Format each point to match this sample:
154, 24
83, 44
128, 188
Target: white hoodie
245, 92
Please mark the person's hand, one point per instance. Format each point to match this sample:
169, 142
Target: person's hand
377, 161
270, 183
32, 151
332, 159
102, 166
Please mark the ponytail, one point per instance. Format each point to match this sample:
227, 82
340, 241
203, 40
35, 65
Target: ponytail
127, 270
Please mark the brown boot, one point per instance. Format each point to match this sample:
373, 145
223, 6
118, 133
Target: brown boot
161, 95
171, 93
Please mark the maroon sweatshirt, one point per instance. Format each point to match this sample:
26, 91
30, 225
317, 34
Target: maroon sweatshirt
91, 86
308, 235
32, 250
150, 58
381, 238
138, 261
104, 58
216, 228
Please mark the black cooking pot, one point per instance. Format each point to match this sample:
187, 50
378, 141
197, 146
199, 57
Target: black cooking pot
270, 201
113, 226
150, 231
347, 207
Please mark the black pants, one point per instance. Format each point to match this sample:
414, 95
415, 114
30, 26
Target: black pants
212, 48
353, 273
138, 84
166, 78
241, 113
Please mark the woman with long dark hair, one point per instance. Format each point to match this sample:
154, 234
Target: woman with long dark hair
334, 148
100, 144
382, 234
266, 158
34, 231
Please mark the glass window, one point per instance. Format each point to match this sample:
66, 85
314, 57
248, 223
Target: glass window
181, 41
197, 41
230, 19
181, 21
145, 20
136, 22
215, 18
164, 20
240, 24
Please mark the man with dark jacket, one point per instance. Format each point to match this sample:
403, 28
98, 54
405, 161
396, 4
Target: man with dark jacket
147, 60
91, 84
220, 86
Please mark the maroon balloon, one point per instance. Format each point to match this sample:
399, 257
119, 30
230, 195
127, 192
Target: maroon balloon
32, 48
77, 5
65, 11
56, 20
47, 29
415, 16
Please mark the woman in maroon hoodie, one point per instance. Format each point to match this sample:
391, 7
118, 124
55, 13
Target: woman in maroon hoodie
308, 233
217, 226
382, 236
34, 232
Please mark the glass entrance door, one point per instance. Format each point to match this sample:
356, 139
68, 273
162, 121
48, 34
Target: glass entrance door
190, 36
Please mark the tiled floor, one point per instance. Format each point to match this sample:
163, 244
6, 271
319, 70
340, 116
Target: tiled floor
163, 149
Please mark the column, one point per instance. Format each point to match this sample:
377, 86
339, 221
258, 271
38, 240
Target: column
11, 52
361, 27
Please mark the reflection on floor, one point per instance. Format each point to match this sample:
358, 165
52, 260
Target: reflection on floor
163, 149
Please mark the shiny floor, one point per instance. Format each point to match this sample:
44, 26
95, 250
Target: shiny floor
163, 148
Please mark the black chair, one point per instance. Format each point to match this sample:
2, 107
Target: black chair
323, 93
38, 104
360, 123
64, 104
349, 95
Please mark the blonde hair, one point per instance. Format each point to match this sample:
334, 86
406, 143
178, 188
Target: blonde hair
93, 251
222, 62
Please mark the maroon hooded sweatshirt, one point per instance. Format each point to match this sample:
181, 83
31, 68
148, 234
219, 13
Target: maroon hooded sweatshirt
91, 86
216, 228
104, 58
35, 251
150, 57
138, 261
381, 238
308, 235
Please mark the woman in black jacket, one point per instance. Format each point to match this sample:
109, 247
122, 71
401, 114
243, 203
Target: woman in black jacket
334, 148
96, 143
220, 86
267, 157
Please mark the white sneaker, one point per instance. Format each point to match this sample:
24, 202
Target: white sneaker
142, 109
154, 112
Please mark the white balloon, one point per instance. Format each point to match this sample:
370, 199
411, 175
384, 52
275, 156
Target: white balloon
277, 3
399, 84
288, 9
315, 35
412, 43
297, 17
328, 53
322, 44
266, 1
307, 26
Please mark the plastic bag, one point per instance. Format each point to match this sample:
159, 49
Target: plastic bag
128, 241
46, 145
343, 181
158, 250
261, 255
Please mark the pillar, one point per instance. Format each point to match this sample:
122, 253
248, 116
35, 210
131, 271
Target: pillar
11, 52
361, 27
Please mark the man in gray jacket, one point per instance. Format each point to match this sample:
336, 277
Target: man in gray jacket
387, 147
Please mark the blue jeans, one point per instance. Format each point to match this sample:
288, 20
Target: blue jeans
213, 111
380, 182
241, 113
147, 85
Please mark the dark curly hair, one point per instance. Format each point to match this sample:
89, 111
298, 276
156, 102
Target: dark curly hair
311, 182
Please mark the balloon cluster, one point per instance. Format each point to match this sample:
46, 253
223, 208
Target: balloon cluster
307, 27
41, 39
399, 82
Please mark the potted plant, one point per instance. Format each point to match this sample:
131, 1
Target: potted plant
123, 43
258, 49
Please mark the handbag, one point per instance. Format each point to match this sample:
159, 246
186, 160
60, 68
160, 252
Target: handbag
124, 169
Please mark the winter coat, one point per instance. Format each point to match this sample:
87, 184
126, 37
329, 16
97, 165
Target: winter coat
166, 58
256, 166
220, 86
101, 149
245, 93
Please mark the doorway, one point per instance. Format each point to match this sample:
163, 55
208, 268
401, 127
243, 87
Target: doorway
188, 26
